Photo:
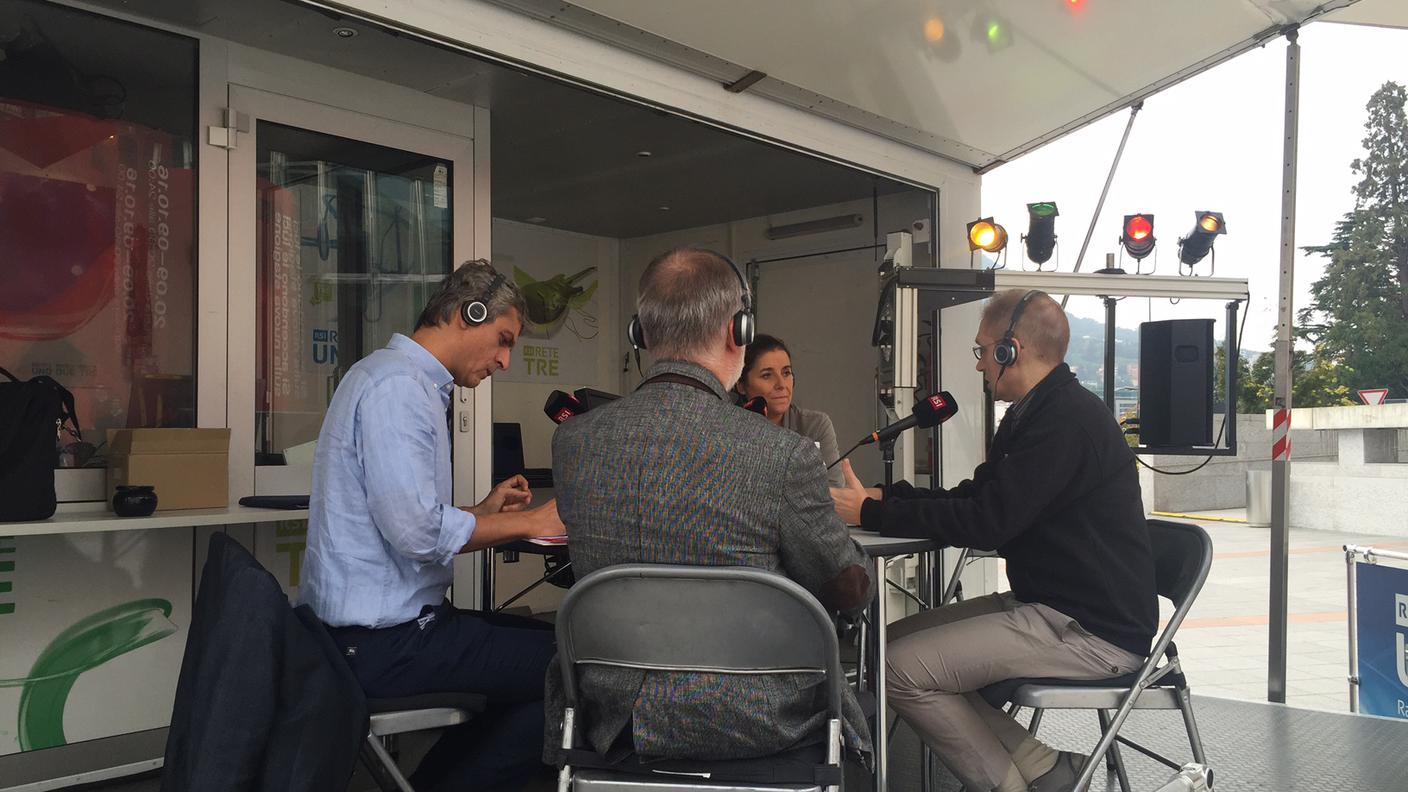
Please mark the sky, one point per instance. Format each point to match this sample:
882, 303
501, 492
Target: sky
1213, 142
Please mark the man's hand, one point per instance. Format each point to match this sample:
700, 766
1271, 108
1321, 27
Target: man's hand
511, 495
849, 498
545, 521
497, 528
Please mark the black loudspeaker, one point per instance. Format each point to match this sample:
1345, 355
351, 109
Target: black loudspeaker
1175, 383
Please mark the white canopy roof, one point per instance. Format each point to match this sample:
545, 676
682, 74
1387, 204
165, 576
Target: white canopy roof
977, 81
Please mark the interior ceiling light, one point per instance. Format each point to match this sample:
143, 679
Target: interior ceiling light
1138, 237
837, 223
1207, 226
643, 154
984, 234
1040, 238
345, 32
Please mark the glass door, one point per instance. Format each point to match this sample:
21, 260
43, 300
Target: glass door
341, 225
352, 239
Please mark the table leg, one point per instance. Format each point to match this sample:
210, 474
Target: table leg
930, 561
878, 628
486, 580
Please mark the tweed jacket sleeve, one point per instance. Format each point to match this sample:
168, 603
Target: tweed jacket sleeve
814, 544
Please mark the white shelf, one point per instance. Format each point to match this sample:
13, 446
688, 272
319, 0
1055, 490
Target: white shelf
95, 517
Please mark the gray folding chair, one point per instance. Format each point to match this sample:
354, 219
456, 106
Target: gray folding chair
1182, 558
392, 717
725, 620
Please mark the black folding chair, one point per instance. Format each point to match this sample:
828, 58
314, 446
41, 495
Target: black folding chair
1182, 558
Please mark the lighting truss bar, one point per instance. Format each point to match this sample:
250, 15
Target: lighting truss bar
1093, 284
942, 288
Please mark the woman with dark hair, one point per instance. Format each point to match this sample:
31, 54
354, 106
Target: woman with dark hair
767, 372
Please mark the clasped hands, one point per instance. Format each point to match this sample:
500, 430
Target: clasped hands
513, 495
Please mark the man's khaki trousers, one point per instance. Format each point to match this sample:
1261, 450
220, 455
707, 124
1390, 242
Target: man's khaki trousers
937, 659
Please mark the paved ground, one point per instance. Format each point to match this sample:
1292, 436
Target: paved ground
1223, 642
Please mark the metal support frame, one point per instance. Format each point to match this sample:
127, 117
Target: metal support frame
1110, 303
1371, 556
1281, 464
944, 288
1100, 204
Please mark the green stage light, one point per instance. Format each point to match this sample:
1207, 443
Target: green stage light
1040, 238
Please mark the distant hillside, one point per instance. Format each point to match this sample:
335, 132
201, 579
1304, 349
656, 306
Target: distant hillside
1086, 354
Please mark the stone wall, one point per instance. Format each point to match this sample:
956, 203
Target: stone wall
1222, 482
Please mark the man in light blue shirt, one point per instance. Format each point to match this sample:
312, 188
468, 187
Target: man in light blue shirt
383, 534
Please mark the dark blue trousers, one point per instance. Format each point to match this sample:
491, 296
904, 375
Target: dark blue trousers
499, 656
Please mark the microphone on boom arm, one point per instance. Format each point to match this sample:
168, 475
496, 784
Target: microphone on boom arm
561, 406
929, 411
757, 404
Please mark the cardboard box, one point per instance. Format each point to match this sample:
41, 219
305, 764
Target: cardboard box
190, 468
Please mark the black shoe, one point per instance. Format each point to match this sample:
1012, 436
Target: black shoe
1062, 777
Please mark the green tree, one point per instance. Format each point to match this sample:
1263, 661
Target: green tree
1316, 381
1249, 397
1358, 317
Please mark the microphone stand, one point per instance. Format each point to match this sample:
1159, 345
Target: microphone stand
887, 456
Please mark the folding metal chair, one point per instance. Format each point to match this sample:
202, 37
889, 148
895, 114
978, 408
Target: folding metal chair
727, 620
954, 588
392, 717
1182, 558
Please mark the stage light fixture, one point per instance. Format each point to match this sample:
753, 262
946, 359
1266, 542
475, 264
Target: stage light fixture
1138, 236
1192, 248
1040, 238
984, 234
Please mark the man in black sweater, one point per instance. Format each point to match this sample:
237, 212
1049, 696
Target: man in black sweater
1059, 499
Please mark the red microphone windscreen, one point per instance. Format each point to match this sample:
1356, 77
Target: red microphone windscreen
757, 404
935, 409
561, 406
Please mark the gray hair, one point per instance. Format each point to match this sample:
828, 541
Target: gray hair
1042, 327
471, 281
687, 296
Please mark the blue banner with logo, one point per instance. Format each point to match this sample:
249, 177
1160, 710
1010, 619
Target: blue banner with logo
1382, 620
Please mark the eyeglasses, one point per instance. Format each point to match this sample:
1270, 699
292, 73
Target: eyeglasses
979, 350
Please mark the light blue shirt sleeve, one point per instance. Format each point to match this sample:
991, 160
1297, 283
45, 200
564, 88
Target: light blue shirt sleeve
398, 449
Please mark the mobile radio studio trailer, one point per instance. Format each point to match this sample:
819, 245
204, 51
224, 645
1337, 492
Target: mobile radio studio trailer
793, 134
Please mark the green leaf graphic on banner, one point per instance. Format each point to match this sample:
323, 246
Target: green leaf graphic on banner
87, 644
548, 301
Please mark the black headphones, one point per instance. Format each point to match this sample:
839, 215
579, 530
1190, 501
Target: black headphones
476, 311
1004, 352
743, 326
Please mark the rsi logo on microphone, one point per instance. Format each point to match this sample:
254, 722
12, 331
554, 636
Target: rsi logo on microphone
937, 402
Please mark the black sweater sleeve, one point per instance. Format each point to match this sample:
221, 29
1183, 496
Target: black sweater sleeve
1002, 500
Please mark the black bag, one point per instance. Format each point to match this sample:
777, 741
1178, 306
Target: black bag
32, 415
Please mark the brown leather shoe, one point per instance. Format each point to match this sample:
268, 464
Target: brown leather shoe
1061, 777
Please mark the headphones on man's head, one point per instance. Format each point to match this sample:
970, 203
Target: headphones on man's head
743, 327
1004, 352
476, 311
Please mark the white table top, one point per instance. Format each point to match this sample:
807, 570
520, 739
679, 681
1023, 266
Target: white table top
96, 517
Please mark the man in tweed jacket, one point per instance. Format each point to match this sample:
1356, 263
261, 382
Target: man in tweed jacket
674, 473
